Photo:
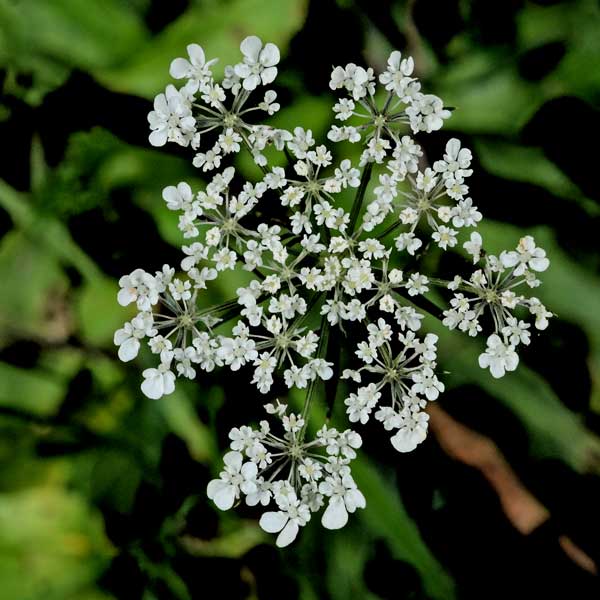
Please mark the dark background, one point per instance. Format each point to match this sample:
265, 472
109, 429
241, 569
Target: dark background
102, 492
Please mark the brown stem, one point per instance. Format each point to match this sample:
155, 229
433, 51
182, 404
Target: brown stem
520, 506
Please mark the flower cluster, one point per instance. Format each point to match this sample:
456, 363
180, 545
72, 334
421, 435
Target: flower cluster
491, 290
315, 265
297, 476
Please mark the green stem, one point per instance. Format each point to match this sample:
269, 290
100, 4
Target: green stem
389, 230
321, 352
360, 194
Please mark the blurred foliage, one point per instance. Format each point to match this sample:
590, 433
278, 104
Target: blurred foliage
101, 490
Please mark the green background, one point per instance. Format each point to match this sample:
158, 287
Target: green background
101, 488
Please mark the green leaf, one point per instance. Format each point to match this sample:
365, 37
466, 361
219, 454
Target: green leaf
217, 27
80, 34
498, 101
32, 303
48, 234
386, 517
182, 419
57, 536
30, 390
98, 313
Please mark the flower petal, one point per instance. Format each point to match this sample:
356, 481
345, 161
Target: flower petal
179, 68
129, 349
336, 515
251, 82
158, 137
272, 522
197, 55
269, 56
233, 460
152, 386
224, 497
288, 534
268, 75
251, 47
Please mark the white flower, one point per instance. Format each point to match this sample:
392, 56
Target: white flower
236, 476
268, 104
347, 175
541, 314
456, 161
287, 521
158, 382
196, 68
427, 113
528, 255
344, 498
128, 338
464, 214
427, 383
301, 142
343, 109
473, 246
179, 198
499, 357
516, 332
412, 432
362, 403
408, 242
301, 242
397, 76
417, 284
139, 287
230, 141
171, 120
259, 63
445, 237
354, 79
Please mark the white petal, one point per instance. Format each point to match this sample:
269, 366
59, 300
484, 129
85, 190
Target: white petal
251, 82
268, 75
126, 296
269, 56
152, 386
233, 460
158, 137
509, 259
354, 499
196, 53
394, 60
160, 104
484, 360
188, 263
184, 190
497, 368
251, 47
242, 70
272, 522
214, 487
404, 441
224, 497
121, 336
288, 534
129, 349
249, 470
452, 148
336, 515
179, 68
168, 383
539, 264
512, 361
